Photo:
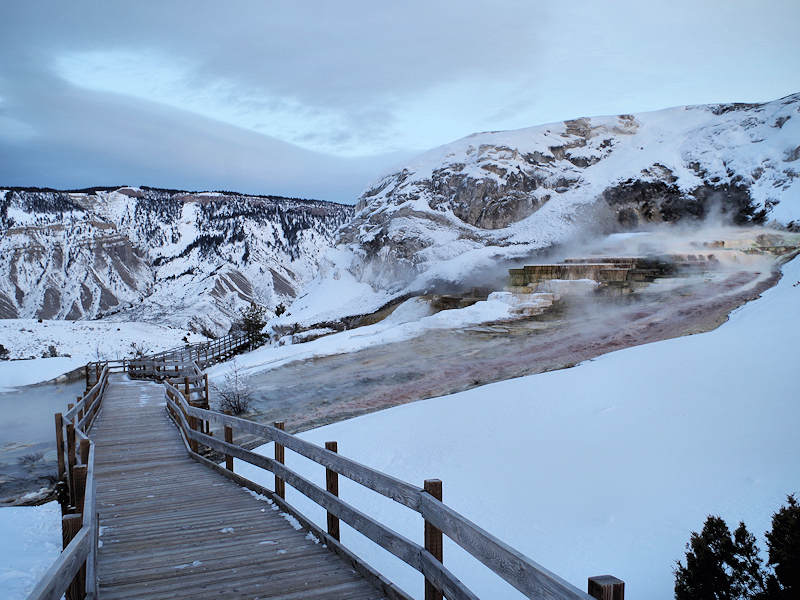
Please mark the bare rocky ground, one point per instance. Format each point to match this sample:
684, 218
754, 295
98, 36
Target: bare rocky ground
308, 394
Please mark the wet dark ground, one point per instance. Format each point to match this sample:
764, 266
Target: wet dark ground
311, 393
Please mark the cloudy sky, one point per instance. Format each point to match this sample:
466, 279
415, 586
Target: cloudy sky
316, 99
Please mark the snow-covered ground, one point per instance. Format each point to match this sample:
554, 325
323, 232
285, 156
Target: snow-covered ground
75, 343
412, 318
603, 468
30, 542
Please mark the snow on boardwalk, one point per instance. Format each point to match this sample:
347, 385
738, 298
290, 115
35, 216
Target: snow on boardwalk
172, 528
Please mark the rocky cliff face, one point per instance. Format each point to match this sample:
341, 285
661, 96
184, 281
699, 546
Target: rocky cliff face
509, 193
154, 255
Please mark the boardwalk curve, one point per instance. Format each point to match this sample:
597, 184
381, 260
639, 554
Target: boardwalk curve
172, 528
147, 513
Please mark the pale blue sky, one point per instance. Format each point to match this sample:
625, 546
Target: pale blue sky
318, 98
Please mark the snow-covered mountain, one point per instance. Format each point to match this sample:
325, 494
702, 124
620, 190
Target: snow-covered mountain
164, 256
191, 259
505, 194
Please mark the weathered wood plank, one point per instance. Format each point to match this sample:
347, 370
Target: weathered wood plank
388, 539
159, 520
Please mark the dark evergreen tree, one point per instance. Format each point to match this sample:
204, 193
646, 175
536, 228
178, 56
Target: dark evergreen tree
720, 566
748, 571
251, 321
783, 543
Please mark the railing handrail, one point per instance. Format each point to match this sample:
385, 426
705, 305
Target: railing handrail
183, 367
521, 572
178, 354
59, 576
188, 359
80, 554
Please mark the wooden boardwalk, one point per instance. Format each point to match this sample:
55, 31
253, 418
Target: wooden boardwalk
173, 528
146, 515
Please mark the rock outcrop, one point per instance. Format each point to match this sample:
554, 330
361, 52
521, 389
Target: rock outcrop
510, 193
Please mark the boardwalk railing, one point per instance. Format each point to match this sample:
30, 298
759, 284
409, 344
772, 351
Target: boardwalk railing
207, 353
175, 362
527, 576
73, 574
186, 390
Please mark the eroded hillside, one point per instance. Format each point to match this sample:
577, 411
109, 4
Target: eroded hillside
188, 259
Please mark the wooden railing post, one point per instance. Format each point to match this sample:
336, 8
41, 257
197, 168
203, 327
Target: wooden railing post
193, 445
433, 538
95, 545
193, 426
208, 400
60, 446
280, 484
71, 461
79, 477
229, 439
332, 485
83, 450
86, 375
70, 526
77, 589
606, 587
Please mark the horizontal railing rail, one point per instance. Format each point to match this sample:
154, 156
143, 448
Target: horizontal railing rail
187, 360
205, 353
186, 390
527, 576
74, 573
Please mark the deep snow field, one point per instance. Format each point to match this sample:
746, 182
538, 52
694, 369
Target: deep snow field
603, 468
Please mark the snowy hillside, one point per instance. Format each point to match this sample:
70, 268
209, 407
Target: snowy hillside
603, 468
191, 260
502, 195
